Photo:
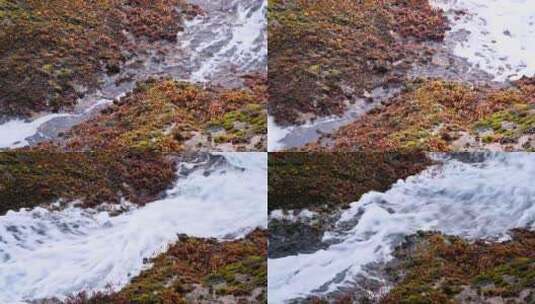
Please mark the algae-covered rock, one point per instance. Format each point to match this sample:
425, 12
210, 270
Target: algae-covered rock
312, 180
318, 48
171, 116
50, 49
437, 115
33, 178
196, 270
434, 268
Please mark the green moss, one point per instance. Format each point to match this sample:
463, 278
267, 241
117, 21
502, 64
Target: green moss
413, 138
161, 115
250, 114
31, 178
520, 273
240, 124
233, 268
488, 139
241, 277
435, 268
308, 180
522, 116
220, 139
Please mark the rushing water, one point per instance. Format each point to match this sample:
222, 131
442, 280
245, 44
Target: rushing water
280, 138
228, 40
494, 37
55, 253
472, 199
499, 35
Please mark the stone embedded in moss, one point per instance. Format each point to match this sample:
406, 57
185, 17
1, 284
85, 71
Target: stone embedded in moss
511, 123
195, 270
163, 114
433, 268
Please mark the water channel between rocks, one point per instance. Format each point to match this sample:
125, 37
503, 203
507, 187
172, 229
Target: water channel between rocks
228, 40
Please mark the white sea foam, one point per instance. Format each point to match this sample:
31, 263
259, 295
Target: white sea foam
293, 215
13, 133
229, 40
500, 35
239, 32
55, 253
472, 200
276, 134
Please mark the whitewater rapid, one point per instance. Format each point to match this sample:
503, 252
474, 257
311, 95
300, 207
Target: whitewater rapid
225, 42
46, 254
474, 200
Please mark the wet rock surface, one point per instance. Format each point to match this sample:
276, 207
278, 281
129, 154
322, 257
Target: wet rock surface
439, 115
170, 116
354, 265
217, 44
194, 270
464, 54
291, 237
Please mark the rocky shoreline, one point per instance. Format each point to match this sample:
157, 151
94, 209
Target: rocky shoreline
346, 113
160, 44
195, 270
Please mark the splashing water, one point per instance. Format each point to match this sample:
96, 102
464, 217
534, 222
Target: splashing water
47, 254
477, 200
495, 36
227, 41
287, 137
14, 132
499, 35
235, 39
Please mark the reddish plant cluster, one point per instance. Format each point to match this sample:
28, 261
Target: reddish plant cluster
311, 180
326, 53
31, 178
49, 49
417, 19
193, 264
527, 85
161, 115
